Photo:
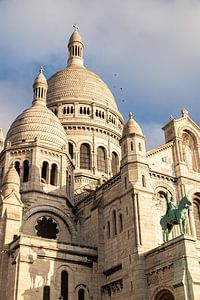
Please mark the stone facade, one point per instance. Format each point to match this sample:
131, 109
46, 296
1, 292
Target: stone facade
82, 199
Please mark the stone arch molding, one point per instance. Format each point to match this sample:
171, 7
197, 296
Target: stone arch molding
84, 287
56, 211
159, 289
194, 133
160, 185
71, 278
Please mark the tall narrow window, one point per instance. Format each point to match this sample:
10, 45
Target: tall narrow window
81, 294
71, 150
125, 182
108, 229
101, 159
46, 293
140, 146
54, 174
120, 223
26, 171
115, 163
143, 180
114, 223
45, 171
64, 285
196, 213
131, 146
17, 167
85, 156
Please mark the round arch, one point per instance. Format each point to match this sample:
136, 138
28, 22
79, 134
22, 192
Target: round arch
189, 130
53, 210
164, 294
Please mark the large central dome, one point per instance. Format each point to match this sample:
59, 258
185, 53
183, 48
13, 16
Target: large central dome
89, 114
77, 82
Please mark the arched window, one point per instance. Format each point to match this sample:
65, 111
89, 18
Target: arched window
120, 223
71, 150
81, 294
54, 174
26, 171
81, 110
115, 163
85, 156
17, 167
101, 159
114, 222
45, 172
46, 293
64, 285
64, 110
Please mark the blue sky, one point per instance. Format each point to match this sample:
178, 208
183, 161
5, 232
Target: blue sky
152, 45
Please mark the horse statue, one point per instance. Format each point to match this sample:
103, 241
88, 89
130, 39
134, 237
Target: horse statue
174, 215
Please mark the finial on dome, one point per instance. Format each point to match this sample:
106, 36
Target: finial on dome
130, 115
75, 47
40, 89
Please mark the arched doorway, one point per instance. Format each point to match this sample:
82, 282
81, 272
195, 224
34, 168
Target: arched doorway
164, 295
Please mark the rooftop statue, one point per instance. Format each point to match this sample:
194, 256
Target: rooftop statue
175, 215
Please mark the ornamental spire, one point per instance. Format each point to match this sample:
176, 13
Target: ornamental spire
40, 89
75, 47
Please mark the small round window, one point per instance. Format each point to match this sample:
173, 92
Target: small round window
47, 228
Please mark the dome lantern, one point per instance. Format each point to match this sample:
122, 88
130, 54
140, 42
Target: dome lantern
40, 89
75, 47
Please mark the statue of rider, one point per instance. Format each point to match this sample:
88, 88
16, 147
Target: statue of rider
171, 206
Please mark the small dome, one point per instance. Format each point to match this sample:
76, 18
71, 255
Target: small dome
75, 37
40, 79
38, 122
131, 127
12, 177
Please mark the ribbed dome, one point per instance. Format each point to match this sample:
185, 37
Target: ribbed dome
77, 82
131, 127
37, 122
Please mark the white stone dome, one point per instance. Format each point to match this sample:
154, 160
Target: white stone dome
76, 82
131, 127
37, 122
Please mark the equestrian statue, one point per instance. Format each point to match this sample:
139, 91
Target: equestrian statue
175, 215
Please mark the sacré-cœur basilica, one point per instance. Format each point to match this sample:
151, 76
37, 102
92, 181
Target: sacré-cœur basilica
86, 212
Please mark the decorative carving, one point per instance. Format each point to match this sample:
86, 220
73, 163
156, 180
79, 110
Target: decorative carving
47, 228
188, 151
155, 277
113, 287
